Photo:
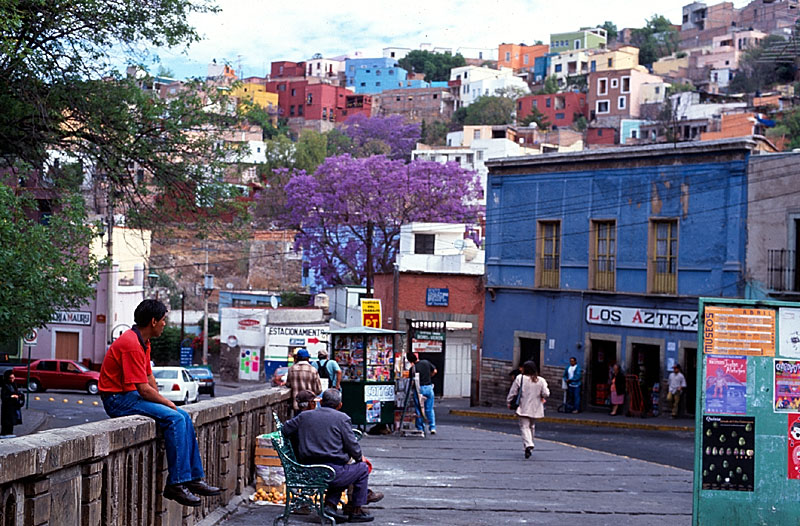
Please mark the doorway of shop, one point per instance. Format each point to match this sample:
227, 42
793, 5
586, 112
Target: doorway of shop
690, 372
529, 350
645, 364
603, 356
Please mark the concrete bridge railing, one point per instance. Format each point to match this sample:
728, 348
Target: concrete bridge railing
112, 472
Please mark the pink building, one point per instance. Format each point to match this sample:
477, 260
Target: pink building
618, 94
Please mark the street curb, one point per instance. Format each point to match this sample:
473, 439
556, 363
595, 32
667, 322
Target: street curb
223, 512
574, 421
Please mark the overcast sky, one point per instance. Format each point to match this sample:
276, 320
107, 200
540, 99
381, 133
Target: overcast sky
252, 33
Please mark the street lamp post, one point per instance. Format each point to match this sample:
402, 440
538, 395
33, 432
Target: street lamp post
152, 279
208, 288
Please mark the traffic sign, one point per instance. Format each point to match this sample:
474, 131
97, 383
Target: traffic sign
30, 338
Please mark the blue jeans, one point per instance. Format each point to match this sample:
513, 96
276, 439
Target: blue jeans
573, 398
183, 455
427, 392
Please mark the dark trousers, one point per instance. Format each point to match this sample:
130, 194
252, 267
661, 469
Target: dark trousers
356, 474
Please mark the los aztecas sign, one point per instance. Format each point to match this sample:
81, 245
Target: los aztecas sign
680, 320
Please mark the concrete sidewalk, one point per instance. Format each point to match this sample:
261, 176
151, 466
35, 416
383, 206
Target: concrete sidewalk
470, 477
662, 422
32, 421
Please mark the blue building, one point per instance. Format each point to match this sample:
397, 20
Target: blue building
603, 254
373, 75
541, 66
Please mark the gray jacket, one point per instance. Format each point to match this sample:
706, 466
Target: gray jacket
324, 436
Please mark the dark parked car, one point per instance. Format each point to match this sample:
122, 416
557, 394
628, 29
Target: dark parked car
205, 377
57, 374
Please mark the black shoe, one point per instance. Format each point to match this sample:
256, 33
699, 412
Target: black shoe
374, 496
363, 516
528, 451
181, 495
332, 512
200, 487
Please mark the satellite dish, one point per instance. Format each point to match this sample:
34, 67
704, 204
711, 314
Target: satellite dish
233, 341
273, 301
459, 244
229, 285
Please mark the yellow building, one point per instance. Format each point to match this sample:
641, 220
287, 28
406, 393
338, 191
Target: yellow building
131, 248
255, 94
671, 66
626, 57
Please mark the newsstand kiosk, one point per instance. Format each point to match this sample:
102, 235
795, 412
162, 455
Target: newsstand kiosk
747, 438
367, 357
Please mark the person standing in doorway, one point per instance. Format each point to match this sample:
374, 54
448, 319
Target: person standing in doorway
302, 376
531, 402
426, 372
329, 371
617, 381
677, 383
573, 378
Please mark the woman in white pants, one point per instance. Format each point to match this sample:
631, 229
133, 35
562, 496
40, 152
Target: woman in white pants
531, 402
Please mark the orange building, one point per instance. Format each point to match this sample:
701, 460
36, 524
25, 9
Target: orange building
735, 125
520, 56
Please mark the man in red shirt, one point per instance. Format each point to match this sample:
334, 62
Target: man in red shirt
127, 387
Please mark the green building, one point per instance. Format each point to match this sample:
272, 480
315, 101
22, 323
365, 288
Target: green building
586, 38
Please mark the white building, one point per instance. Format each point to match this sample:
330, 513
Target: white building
452, 253
568, 64
471, 148
468, 83
326, 68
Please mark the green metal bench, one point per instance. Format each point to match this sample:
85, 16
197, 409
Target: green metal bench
305, 484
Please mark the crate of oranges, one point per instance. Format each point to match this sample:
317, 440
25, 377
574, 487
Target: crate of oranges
269, 495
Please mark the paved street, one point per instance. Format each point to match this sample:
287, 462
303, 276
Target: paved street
469, 476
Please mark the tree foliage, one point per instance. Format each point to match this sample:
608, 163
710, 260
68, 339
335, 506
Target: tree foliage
488, 110
788, 126
658, 38
550, 86
391, 136
434, 133
611, 30
43, 268
435, 66
333, 207
757, 72
537, 117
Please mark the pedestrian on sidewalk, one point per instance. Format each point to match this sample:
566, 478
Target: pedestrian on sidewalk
426, 372
302, 377
677, 383
531, 402
617, 381
12, 402
329, 371
573, 375
128, 387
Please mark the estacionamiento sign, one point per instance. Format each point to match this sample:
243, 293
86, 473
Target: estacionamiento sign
677, 320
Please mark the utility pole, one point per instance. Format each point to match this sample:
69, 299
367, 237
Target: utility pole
208, 288
110, 284
370, 228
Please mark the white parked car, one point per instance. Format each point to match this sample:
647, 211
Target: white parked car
177, 384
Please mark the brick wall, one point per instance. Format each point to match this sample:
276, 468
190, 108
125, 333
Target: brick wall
495, 383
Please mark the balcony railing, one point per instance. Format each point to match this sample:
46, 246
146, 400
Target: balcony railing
781, 270
665, 277
604, 273
549, 272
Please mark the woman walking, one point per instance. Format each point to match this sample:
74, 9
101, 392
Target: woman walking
11, 400
617, 382
533, 394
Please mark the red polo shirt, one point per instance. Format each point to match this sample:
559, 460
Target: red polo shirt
126, 364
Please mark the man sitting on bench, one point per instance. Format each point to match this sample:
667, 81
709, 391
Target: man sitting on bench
325, 436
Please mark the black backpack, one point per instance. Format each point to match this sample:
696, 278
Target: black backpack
323, 370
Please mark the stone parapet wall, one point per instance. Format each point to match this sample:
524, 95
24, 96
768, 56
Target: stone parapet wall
112, 472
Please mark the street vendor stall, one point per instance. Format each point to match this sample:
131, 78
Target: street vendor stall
367, 357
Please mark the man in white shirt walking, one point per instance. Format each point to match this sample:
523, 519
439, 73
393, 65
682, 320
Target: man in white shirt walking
677, 383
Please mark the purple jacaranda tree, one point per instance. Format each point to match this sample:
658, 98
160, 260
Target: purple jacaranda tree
350, 200
371, 135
